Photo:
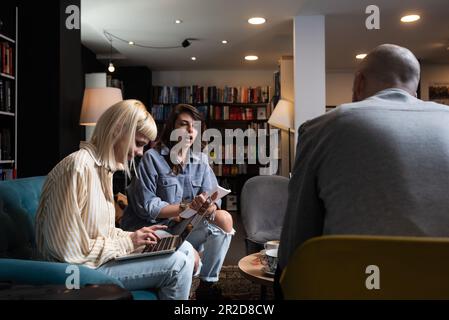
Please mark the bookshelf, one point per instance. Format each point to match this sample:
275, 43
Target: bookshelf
222, 108
8, 93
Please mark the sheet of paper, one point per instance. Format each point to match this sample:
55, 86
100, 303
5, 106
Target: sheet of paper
187, 213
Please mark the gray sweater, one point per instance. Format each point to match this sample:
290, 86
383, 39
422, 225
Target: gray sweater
379, 167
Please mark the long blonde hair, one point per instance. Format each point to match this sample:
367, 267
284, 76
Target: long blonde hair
122, 121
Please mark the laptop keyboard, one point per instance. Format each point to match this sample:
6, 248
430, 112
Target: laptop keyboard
163, 244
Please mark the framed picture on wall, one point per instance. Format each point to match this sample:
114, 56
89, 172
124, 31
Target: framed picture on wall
439, 92
261, 113
231, 202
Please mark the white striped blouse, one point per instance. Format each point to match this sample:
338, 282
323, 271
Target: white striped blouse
75, 221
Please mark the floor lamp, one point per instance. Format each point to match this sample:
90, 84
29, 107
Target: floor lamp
282, 118
95, 102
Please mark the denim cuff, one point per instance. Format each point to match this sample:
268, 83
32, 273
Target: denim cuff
156, 209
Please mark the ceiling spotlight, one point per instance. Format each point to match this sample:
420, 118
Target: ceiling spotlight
251, 58
410, 18
224, 41
193, 58
361, 56
178, 21
131, 43
256, 20
111, 67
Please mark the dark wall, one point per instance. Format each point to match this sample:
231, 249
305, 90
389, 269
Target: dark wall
49, 86
136, 83
51, 67
90, 62
71, 85
7, 19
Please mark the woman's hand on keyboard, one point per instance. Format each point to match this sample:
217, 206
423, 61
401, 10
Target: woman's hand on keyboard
146, 235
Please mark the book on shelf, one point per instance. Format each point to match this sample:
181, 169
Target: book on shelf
204, 95
2, 96
160, 112
7, 174
277, 83
5, 144
226, 170
234, 113
6, 58
203, 111
6, 99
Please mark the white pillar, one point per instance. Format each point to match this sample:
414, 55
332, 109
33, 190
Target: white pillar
94, 80
309, 68
287, 93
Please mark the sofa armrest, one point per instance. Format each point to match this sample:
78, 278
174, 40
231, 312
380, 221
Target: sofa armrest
42, 272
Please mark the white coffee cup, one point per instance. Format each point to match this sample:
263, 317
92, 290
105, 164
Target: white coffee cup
272, 244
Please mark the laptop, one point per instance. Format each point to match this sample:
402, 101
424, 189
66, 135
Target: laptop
168, 244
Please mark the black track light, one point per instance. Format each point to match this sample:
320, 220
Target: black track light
185, 43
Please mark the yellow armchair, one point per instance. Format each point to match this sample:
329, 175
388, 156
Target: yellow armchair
368, 267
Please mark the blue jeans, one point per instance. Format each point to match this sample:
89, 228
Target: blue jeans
170, 273
214, 243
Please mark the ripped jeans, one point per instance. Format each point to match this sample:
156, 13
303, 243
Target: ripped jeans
214, 243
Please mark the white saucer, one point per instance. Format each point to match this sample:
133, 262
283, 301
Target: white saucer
265, 269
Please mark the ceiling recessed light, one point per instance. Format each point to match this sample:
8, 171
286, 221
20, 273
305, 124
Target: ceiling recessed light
361, 56
178, 21
131, 43
256, 20
193, 58
251, 58
224, 41
410, 18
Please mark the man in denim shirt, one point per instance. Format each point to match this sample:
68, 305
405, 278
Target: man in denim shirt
161, 189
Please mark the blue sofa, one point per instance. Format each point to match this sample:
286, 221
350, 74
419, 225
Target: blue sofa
18, 204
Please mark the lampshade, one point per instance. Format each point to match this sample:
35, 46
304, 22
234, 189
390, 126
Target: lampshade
96, 101
282, 116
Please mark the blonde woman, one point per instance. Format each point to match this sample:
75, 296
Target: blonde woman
76, 215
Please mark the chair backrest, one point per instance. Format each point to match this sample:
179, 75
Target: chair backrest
19, 200
368, 267
263, 205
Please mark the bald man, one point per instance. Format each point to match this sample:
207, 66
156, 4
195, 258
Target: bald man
377, 166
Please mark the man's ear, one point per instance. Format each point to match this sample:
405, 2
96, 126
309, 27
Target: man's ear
358, 87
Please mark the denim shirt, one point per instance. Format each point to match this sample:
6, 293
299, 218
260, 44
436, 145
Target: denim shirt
156, 186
